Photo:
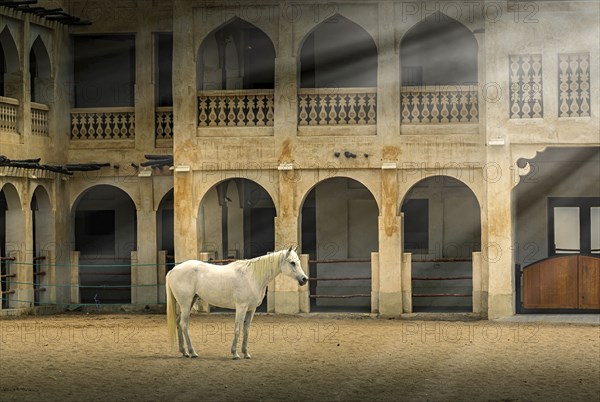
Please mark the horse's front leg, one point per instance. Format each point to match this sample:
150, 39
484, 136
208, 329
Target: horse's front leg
247, 322
240, 314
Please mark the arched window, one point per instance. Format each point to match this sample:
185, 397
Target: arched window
39, 71
438, 51
9, 64
238, 55
337, 54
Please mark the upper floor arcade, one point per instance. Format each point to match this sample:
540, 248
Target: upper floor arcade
354, 70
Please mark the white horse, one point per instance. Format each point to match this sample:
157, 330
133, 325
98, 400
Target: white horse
240, 285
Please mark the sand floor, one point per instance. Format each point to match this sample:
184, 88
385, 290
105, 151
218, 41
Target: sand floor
103, 357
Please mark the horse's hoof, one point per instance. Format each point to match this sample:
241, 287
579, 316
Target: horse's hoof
194, 356
235, 358
247, 357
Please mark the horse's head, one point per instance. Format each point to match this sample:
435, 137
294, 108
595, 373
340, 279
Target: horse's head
291, 267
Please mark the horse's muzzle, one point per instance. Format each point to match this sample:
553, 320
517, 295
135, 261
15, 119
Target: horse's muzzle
302, 281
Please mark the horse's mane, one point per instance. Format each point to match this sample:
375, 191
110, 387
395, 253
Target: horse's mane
262, 267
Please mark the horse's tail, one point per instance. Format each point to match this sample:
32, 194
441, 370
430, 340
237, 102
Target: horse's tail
171, 314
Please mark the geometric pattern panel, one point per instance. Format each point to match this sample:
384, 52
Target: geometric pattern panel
574, 84
526, 96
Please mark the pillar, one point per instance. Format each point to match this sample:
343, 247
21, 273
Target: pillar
160, 276
184, 124
146, 245
477, 283
390, 247
407, 283
74, 278
375, 282
144, 82
498, 250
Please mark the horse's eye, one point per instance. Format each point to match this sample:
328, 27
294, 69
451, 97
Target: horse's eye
293, 263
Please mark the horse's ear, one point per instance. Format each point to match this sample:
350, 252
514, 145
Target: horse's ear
289, 251
295, 248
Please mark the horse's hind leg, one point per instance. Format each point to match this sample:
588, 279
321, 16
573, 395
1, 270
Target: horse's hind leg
183, 324
247, 322
180, 334
240, 314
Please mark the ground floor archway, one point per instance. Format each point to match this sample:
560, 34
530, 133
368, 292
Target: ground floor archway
339, 231
442, 229
105, 232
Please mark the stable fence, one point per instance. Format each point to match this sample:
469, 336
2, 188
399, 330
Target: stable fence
44, 282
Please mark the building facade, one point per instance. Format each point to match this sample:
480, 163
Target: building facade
419, 153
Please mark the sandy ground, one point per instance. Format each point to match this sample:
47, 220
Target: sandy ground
107, 357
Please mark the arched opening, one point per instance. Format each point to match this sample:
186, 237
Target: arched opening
438, 51
9, 58
338, 54
39, 72
339, 232
557, 229
442, 228
43, 238
104, 228
237, 55
165, 228
12, 227
236, 220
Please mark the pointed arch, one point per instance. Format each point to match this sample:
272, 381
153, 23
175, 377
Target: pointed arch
236, 55
9, 51
10, 64
236, 218
42, 198
40, 70
11, 195
438, 50
338, 53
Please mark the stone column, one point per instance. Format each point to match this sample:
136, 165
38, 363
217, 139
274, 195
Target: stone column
24, 96
390, 247
74, 278
407, 282
285, 292
146, 244
498, 250
160, 274
375, 282
388, 128
184, 123
388, 71
477, 283
144, 85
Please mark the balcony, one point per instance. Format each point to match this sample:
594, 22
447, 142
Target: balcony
39, 119
9, 108
448, 109
163, 120
249, 109
343, 111
103, 127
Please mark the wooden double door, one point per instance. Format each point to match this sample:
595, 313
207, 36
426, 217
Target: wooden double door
569, 282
